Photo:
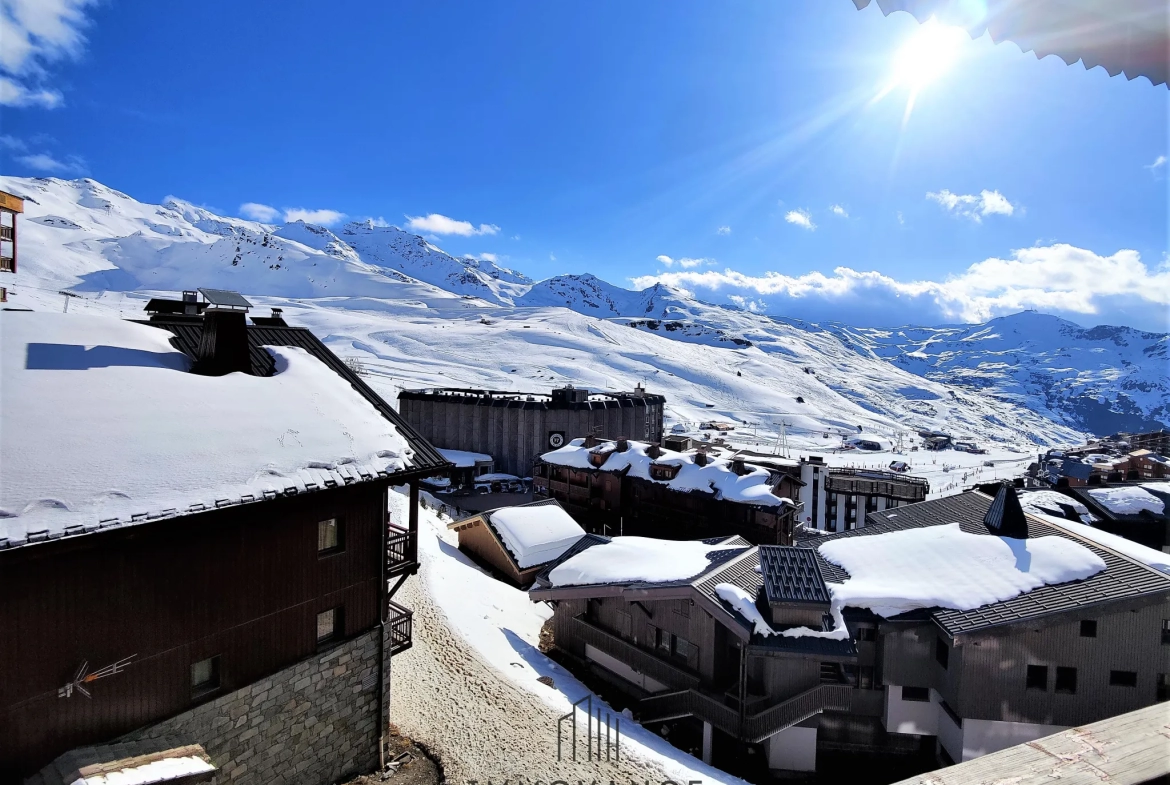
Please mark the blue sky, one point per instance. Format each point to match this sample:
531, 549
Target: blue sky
622, 139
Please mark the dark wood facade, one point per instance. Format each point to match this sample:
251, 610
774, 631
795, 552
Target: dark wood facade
243, 583
608, 502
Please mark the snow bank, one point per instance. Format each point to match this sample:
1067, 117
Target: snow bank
634, 560
1127, 500
945, 567
102, 420
536, 535
716, 477
745, 605
463, 459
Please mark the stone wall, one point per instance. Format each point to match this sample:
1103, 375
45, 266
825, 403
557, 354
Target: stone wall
314, 722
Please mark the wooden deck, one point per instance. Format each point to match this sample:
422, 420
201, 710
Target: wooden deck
1128, 748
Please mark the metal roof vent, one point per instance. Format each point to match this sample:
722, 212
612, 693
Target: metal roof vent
1005, 516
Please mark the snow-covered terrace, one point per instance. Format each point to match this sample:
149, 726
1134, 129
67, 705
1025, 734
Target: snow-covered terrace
103, 425
716, 477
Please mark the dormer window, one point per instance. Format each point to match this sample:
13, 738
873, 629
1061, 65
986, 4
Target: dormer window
663, 472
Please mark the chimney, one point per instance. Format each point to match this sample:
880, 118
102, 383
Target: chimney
190, 303
1005, 516
223, 344
654, 451
701, 457
623, 445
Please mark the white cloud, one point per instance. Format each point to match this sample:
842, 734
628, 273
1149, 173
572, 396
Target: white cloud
552, 258
1158, 163
11, 143
441, 224
972, 206
686, 263
801, 218
837, 209
259, 212
35, 34
319, 217
483, 257
15, 94
43, 162
1059, 279
901, 219
723, 230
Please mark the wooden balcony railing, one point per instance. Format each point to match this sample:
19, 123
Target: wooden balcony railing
755, 727
637, 658
399, 624
401, 550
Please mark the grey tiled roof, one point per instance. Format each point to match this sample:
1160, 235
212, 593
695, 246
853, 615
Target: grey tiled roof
1121, 579
791, 574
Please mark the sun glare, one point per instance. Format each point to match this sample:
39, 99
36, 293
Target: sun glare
929, 54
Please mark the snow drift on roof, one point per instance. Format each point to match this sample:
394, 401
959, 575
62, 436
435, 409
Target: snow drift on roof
634, 560
716, 477
945, 567
463, 459
535, 534
1127, 500
1157, 559
101, 420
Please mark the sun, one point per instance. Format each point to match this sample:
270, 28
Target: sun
927, 55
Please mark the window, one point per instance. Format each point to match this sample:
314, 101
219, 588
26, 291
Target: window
684, 608
867, 633
1163, 688
1122, 679
329, 625
684, 649
1089, 628
1165, 630
329, 539
1066, 680
1037, 677
205, 675
916, 694
624, 624
664, 641
942, 652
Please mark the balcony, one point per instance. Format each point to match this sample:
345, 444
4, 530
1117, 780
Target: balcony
754, 727
637, 658
398, 626
401, 551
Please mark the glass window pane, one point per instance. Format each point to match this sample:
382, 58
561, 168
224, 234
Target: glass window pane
326, 624
327, 535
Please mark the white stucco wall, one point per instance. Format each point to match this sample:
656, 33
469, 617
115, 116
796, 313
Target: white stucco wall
621, 669
793, 749
916, 717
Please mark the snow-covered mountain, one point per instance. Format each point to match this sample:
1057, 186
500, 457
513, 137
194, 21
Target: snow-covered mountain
417, 316
1102, 379
101, 239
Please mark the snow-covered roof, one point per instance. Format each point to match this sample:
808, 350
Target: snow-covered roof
945, 567
103, 425
636, 560
151, 772
716, 477
1042, 501
463, 459
1127, 500
535, 534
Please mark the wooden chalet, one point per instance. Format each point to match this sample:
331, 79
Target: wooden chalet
517, 542
185, 577
629, 487
744, 650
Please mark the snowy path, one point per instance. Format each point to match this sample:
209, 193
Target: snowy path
467, 688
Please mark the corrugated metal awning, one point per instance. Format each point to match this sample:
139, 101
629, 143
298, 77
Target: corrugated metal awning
1122, 36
